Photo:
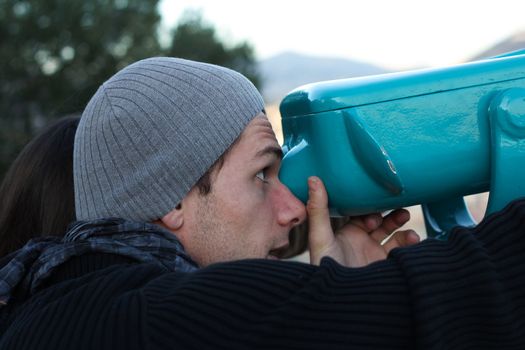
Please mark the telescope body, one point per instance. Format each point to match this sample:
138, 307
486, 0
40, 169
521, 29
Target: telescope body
417, 137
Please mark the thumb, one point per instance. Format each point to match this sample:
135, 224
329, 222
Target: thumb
320, 231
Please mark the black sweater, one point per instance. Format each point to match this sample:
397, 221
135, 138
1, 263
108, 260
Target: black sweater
467, 293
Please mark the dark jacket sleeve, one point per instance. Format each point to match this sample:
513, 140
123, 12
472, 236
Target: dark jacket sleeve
468, 292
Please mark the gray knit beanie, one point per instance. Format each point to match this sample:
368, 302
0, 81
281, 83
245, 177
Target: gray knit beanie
151, 131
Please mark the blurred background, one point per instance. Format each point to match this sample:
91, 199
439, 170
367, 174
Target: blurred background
55, 53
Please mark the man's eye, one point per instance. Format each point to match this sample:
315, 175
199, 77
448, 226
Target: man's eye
261, 175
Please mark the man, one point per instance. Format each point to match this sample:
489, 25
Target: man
154, 129
176, 189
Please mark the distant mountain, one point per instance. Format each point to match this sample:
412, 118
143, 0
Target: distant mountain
289, 70
512, 43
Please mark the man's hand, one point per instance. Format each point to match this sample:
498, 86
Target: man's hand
357, 243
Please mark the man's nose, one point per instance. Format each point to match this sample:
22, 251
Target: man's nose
291, 211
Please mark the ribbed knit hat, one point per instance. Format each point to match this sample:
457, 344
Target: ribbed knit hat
151, 131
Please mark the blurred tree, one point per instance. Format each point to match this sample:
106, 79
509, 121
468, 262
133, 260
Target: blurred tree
55, 53
195, 39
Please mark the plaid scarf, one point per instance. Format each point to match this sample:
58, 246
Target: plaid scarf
30, 266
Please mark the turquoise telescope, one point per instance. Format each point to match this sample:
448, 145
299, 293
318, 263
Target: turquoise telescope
424, 137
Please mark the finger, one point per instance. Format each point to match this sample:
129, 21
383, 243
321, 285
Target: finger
390, 223
320, 230
367, 223
402, 239
372, 221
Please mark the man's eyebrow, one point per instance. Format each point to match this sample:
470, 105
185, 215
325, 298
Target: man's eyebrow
270, 150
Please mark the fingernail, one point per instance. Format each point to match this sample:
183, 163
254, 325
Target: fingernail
371, 223
403, 217
414, 235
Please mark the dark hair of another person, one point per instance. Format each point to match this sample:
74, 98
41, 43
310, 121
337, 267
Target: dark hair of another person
37, 191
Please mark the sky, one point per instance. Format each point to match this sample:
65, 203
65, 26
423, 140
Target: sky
392, 34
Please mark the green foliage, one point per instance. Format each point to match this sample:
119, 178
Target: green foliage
195, 39
55, 53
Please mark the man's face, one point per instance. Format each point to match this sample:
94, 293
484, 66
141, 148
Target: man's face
248, 212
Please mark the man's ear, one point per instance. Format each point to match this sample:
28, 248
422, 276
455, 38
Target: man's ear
174, 219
